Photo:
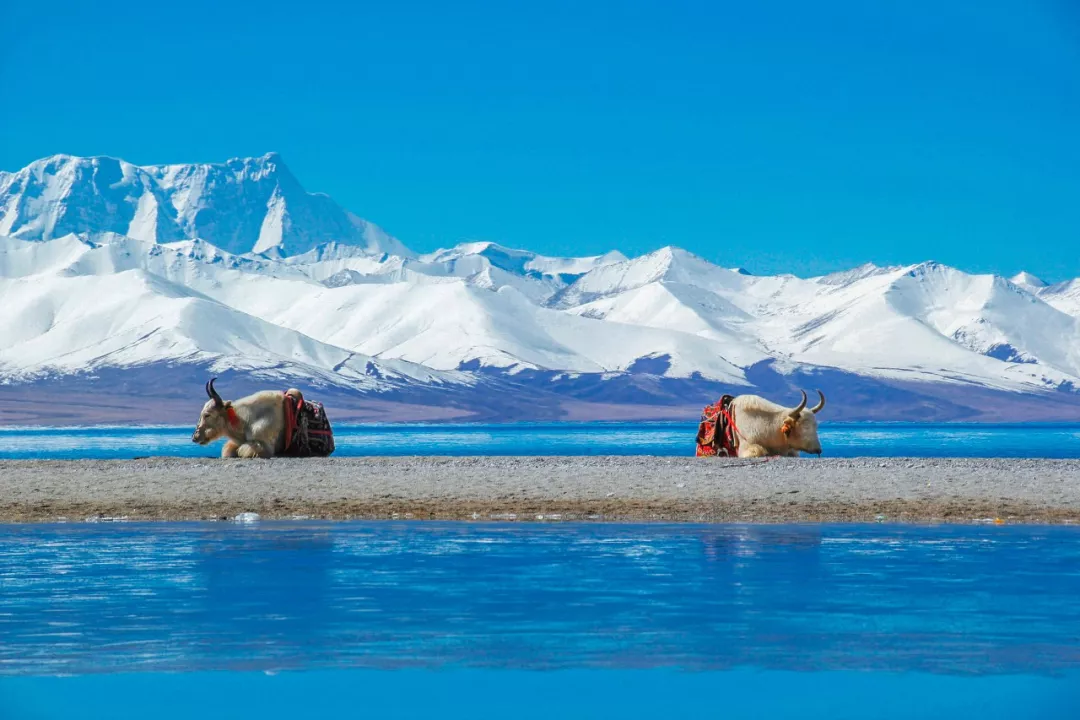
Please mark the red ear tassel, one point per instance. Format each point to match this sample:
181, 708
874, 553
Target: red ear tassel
231, 414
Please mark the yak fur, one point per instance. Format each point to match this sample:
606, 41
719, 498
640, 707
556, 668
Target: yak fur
765, 428
253, 426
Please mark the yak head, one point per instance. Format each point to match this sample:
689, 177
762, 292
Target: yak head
215, 419
800, 426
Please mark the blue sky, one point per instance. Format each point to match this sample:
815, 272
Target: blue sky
778, 135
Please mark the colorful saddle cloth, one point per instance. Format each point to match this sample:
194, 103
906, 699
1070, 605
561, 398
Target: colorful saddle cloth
716, 431
307, 429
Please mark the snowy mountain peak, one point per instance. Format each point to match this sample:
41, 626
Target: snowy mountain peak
65, 194
668, 264
1027, 281
927, 267
861, 272
267, 168
243, 205
520, 262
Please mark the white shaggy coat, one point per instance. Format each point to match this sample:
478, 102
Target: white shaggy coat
253, 426
761, 426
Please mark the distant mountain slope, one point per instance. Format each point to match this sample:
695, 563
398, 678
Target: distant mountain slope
117, 271
1063, 296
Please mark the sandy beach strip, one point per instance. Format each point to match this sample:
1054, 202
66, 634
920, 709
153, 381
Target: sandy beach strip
546, 488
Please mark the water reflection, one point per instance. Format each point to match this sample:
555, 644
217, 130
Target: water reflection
83, 598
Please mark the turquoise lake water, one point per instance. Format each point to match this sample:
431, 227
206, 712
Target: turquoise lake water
418, 620
1042, 441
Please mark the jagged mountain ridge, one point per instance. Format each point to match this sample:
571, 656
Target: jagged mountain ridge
242, 205
105, 265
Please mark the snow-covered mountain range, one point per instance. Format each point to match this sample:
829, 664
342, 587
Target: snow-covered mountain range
122, 281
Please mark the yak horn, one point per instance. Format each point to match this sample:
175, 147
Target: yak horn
213, 394
796, 411
817, 408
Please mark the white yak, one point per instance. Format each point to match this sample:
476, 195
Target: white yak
253, 426
765, 428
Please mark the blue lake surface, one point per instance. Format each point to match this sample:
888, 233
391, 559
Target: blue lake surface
381, 620
839, 440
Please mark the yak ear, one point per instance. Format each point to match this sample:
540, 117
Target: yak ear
788, 426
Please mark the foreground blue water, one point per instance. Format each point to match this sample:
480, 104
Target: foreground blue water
655, 694
878, 440
458, 620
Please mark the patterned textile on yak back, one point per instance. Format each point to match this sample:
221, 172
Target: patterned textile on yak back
307, 429
716, 431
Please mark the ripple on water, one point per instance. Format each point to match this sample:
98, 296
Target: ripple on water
80, 598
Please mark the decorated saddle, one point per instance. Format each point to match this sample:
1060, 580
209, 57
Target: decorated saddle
716, 434
307, 429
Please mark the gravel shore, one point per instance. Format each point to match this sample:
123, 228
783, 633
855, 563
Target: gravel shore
543, 488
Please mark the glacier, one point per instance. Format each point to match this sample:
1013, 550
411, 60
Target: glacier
131, 283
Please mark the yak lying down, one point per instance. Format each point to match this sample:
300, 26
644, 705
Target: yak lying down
750, 426
265, 424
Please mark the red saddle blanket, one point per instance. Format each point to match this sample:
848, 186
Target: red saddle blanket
716, 430
307, 429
